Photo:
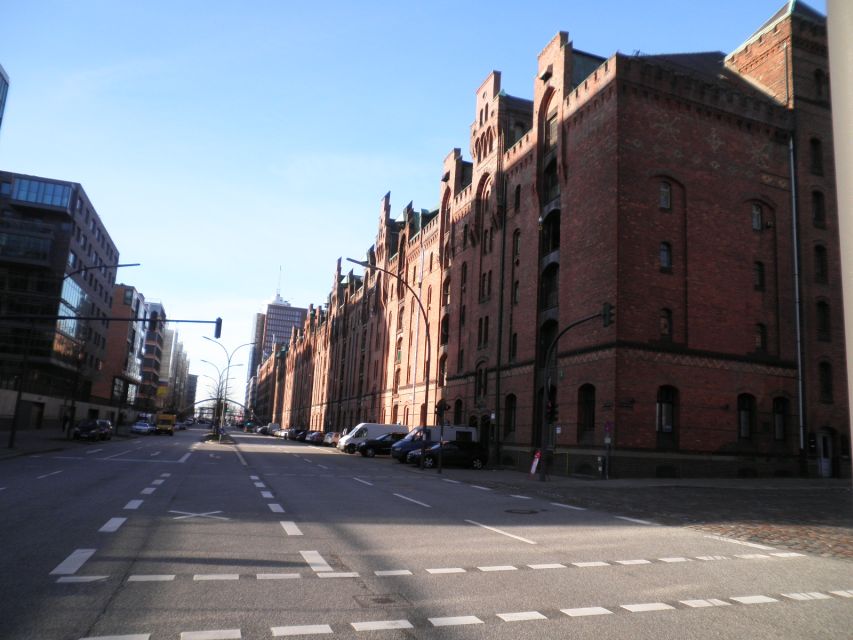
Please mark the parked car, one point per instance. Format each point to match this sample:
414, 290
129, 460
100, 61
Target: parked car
331, 438
300, 435
87, 430
105, 429
380, 445
142, 428
268, 429
456, 453
314, 437
365, 431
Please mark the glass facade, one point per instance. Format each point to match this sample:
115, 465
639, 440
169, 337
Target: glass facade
41, 192
4, 90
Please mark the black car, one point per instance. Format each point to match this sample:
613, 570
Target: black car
456, 453
379, 446
88, 430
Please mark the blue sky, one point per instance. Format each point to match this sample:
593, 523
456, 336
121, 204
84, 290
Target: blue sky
220, 141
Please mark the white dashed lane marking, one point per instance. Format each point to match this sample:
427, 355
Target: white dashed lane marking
133, 504
275, 507
73, 562
290, 528
503, 533
301, 630
418, 502
315, 561
112, 525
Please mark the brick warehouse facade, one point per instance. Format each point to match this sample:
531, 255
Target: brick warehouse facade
694, 192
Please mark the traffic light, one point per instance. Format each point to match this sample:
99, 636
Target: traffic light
440, 409
607, 310
217, 332
551, 411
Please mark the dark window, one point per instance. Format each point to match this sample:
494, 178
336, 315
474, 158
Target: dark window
516, 244
746, 415
780, 418
758, 275
824, 374
665, 200
821, 265
586, 408
820, 83
666, 324
509, 413
665, 410
816, 156
442, 371
818, 209
517, 202
823, 321
513, 346
665, 256
760, 337
757, 217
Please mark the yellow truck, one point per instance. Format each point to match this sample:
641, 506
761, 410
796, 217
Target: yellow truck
165, 423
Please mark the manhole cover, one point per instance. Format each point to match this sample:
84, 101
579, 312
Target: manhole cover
522, 512
381, 600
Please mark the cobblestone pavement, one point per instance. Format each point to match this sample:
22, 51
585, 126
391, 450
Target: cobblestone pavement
811, 516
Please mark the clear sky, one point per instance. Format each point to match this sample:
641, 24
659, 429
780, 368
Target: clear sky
219, 141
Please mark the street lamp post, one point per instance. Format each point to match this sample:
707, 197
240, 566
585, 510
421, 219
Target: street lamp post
401, 280
228, 358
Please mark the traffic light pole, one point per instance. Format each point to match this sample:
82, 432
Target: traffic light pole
606, 314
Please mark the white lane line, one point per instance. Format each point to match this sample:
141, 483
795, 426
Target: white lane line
151, 577
597, 563
275, 507
79, 579
73, 562
843, 594
789, 554
476, 486
754, 599
290, 528
301, 630
446, 570
369, 484
423, 504
712, 558
711, 602
586, 611
2, 488
754, 545
133, 636
393, 572
647, 606
165, 475
811, 595
513, 495
147, 491
636, 521
260, 485
451, 481
216, 634
338, 574
241, 458
568, 506
752, 556
156, 453
158, 482
503, 533
453, 621
676, 559
117, 455
134, 504
381, 625
627, 562
550, 565
315, 561
216, 576
504, 567
254, 478
266, 494
88, 453
112, 525
185, 457
278, 576
47, 475
521, 616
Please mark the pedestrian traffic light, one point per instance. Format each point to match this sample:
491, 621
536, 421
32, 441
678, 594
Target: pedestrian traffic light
217, 332
607, 310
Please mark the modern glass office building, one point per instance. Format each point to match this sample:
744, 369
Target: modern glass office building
4, 91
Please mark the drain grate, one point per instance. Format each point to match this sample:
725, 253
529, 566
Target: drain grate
382, 600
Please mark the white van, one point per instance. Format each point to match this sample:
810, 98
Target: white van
366, 431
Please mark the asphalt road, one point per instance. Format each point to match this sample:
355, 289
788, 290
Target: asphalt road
171, 538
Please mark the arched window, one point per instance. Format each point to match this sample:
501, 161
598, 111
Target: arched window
816, 156
824, 329
780, 418
551, 233
513, 346
667, 401
665, 256
445, 330
821, 265
665, 196
516, 244
442, 371
549, 287
509, 416
445, 292
457, 412
463, 279
818, 209
746, 415
480, 381
429, 295
824, 376
757, 217
586, 409
517, 200
819, 83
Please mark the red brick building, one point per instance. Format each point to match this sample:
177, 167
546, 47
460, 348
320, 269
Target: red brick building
693, 192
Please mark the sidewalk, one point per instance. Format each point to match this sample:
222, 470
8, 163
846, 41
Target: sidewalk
807, 515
